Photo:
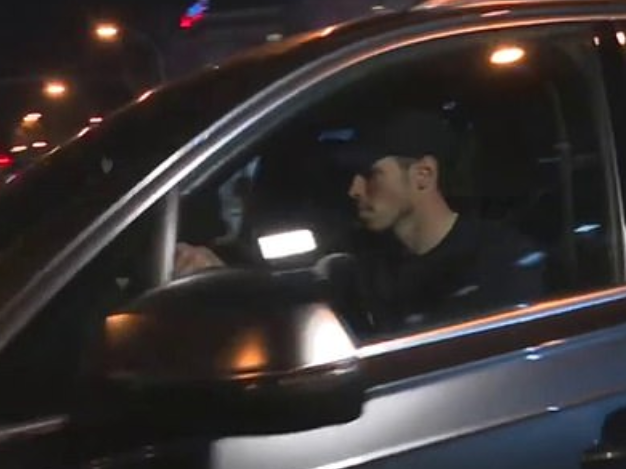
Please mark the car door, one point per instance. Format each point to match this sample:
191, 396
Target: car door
521, 384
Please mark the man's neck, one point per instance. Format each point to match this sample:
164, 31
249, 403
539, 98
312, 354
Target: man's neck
422, 234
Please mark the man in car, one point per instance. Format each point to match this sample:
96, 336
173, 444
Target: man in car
427, 263
420, 262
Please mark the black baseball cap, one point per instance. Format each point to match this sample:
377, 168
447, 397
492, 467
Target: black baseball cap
407, 133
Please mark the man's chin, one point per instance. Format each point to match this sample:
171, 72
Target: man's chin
372, 225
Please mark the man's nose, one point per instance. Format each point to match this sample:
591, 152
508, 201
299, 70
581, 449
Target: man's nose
357, 187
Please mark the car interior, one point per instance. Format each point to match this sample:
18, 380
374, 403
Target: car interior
527, 157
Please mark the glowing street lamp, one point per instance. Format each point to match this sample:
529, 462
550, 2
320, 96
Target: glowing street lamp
55, 89
31, 118
111, 32
18, 149
107, 32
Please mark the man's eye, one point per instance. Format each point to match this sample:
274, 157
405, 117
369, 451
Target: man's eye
368, 173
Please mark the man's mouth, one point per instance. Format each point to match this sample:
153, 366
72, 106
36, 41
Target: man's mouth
364, 212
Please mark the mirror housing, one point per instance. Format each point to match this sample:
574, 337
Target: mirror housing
240, 351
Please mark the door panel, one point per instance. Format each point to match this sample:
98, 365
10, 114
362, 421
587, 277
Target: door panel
540, 408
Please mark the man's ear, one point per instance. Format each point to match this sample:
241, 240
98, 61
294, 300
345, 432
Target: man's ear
423, 173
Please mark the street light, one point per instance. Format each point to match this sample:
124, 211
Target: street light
18, 149
111, 32
55, 89
31, 118
107, 32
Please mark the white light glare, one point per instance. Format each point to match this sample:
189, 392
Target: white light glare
145, 96
621, 38
274, 37
107, 31
327, 341
31, 118
533, 357
287, 244
55, 88
588, 228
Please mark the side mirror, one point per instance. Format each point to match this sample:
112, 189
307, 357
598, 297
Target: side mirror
235, 351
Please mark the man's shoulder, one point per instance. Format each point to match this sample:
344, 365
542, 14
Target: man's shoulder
493, 236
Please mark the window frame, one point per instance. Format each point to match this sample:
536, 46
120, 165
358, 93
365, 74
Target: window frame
394, 359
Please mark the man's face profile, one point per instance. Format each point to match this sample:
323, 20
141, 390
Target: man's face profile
383, 196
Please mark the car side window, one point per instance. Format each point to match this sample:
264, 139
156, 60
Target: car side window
458, 180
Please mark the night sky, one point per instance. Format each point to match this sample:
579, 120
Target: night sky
51, 38
48, 34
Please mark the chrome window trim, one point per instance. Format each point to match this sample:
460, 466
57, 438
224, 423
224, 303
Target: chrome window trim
32, 428
20, 309
452, 4
498, 320
615, 193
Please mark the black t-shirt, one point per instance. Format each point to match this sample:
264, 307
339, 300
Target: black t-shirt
478, 266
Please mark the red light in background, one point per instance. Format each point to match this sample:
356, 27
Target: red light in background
5, 161
187, 21
195, 13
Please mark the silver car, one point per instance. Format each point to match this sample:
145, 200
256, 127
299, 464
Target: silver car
266, 359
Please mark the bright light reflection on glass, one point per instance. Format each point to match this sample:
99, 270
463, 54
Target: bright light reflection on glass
621, 38
287, 244
145, 96
491, 14
328, 341
596, 40
531, 259
41, 144
252, 353
507, 55
533, 356
553, 408
18, 148
274, 37
83, 131
327, 31
95, 120
588, 228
